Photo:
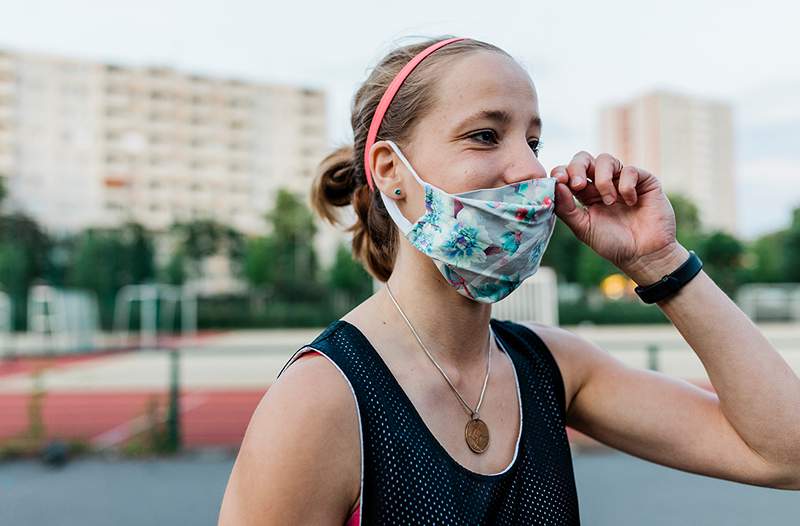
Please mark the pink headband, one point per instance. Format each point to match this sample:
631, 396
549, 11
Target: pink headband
389, 94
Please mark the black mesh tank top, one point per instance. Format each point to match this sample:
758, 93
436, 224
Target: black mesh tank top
407, 477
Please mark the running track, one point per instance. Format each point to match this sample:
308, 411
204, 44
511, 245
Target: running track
208, 417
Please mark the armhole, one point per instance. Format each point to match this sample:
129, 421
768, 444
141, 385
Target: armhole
308, 349
543, 350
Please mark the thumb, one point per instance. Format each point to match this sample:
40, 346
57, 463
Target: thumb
576, 218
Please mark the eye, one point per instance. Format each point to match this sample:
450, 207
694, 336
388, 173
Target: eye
484, 133
536, 145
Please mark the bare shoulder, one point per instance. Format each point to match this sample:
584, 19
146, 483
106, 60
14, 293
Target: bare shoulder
575, 355
299, 461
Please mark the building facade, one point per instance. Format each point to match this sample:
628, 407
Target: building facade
85, 144
686, 142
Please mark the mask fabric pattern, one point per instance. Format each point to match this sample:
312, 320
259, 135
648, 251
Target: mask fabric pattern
484, 242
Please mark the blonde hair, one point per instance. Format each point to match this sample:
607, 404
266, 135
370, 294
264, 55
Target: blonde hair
340, 179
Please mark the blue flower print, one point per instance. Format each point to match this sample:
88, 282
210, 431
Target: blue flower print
537, 251
422, 236
462, 245
511, 241
434, 207
494, 291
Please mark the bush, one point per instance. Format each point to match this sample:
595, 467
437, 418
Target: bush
609, 312
238, 312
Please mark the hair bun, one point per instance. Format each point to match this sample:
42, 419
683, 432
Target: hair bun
335, 183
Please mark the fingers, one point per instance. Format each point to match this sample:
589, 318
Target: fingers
579, 168
575, 217
628, 179
603, 178
606, 167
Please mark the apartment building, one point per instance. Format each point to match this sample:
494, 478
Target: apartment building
85, 143
687, 142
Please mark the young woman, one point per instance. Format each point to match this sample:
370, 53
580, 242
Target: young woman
418, 407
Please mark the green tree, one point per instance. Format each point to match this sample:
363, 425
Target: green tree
791, 264
174, 272
259, 258
203, 238
140, 252
347, 276
98, 263
563, 253
13, 270
687, 220
768, 258
593, 268
722, 259
293, 260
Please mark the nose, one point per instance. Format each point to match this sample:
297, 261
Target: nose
523, 164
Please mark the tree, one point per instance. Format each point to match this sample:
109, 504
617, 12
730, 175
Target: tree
13, 270
347, 276
722, 259
768, 256
203, 238
292, 258
140, 253
791, 265
687, 220
593, 268
259, 258
562, 253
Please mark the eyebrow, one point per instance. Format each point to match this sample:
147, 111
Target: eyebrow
501, 116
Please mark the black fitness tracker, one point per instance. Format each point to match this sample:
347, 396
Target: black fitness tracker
672, 282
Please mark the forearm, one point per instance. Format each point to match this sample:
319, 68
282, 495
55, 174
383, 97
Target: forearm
759, 393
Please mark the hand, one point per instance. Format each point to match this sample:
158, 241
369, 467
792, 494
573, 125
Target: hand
626, 217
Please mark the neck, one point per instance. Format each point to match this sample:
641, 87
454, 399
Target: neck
454, 328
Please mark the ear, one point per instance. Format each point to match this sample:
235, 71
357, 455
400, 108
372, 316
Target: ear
386, 169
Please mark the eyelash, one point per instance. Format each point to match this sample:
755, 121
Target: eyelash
535, 149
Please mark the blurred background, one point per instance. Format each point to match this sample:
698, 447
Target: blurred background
159, 262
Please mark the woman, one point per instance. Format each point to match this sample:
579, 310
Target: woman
417, 406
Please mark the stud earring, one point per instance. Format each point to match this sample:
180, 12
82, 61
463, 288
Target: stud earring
396, 191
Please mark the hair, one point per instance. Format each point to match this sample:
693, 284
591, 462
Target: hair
340, 178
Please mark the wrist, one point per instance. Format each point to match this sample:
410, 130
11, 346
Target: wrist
652, 267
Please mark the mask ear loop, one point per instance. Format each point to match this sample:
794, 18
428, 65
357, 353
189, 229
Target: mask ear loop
400, 220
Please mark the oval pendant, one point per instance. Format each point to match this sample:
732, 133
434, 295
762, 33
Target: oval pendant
477, 435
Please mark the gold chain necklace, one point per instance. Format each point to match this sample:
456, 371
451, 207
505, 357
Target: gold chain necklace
476, 432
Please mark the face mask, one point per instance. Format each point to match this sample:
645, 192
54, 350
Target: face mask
484, 242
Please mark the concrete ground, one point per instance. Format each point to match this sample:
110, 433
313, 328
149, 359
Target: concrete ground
614, 489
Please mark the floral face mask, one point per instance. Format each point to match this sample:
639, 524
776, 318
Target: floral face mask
485, 242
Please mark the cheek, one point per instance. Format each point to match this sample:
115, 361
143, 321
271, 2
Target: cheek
414, 203
475, 173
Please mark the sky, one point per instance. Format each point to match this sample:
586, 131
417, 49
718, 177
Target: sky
580, 55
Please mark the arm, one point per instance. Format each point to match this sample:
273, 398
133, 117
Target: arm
759, 394
299, 462
748, 432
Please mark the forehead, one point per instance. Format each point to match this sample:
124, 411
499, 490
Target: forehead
485, 80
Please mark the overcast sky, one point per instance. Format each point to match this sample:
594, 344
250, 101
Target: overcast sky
581, 55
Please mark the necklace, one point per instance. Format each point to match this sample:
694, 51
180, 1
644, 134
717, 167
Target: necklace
476, 432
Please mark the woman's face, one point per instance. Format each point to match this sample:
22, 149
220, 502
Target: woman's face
482, 132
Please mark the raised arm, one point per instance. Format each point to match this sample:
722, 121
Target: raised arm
750, 430
299, 462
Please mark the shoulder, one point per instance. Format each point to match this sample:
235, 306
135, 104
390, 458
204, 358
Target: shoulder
575, 356
299, 461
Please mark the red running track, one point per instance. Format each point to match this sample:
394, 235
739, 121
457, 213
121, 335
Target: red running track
217, 418
208, 418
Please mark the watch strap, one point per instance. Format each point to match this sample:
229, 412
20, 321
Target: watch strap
672, 282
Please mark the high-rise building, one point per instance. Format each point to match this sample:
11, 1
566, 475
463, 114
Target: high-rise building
87, 144
686, 142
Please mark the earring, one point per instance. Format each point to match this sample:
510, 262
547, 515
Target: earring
396, 191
